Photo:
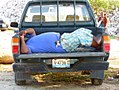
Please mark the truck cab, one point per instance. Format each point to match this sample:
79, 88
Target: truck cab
62, 16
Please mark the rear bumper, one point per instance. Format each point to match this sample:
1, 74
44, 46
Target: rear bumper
43, 68
37, 66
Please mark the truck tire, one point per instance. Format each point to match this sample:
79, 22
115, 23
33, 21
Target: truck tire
19, 82
96, 81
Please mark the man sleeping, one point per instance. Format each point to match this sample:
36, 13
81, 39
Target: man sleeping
52, 42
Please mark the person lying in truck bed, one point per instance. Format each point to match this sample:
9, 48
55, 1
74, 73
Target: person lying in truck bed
54, 42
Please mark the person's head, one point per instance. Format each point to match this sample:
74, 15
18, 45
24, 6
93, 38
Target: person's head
96, 43
105, 15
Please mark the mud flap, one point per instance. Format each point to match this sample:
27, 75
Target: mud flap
98, 74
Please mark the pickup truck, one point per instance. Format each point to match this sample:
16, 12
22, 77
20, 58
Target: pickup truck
63, 16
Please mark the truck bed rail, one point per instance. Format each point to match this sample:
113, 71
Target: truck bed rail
61, 55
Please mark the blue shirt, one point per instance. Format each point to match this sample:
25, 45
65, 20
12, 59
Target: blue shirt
44, 43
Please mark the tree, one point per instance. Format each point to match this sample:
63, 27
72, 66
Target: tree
104, 5
99, 5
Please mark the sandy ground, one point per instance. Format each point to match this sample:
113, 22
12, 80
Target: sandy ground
7, 75
114, 54
5, 47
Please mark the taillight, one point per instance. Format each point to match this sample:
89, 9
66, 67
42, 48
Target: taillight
106, 44
15, 45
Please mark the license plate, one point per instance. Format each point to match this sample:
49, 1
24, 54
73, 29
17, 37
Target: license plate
61, 63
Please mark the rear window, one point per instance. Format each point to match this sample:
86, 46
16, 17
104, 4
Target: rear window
63, 12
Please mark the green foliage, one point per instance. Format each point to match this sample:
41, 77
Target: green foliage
113, 37
111, 72
104, 5
68, 77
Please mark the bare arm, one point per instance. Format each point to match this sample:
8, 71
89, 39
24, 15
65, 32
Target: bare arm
27, 31
24, 48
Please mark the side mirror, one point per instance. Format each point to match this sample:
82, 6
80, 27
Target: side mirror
3, 27
14, 24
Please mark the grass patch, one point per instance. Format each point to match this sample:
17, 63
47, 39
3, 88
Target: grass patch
71, 77
113, 37
111, 72
67, 77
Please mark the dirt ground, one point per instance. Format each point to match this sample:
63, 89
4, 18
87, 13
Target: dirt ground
7, 75
7, 83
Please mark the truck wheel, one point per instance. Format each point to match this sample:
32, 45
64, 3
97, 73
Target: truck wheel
20, 82
95, 81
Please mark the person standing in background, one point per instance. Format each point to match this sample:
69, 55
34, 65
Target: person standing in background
102, 20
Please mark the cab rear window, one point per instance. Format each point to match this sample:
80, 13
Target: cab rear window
63, 12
